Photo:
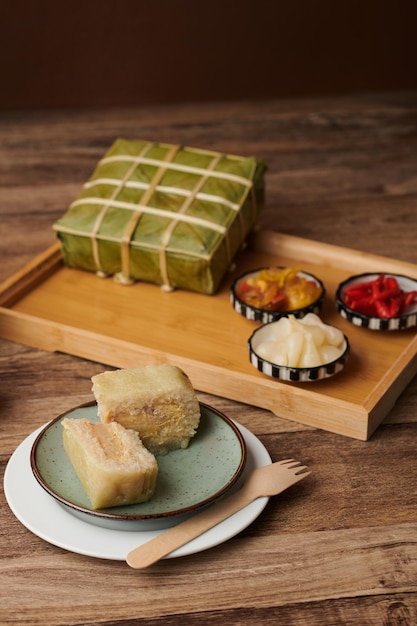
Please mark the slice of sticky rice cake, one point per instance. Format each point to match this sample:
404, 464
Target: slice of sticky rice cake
111, 462
158, 401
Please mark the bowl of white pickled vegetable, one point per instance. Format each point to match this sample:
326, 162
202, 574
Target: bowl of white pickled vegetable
298, 350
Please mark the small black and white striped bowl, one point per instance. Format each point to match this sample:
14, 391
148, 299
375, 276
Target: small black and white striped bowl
263, 315
294, 374
407, 320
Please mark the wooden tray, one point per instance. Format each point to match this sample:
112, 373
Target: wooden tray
51, 307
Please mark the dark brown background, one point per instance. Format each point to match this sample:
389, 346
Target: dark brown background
106, 53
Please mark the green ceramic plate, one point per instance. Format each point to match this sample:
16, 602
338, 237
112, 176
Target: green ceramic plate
187, 479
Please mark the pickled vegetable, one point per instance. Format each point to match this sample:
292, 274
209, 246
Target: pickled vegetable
381, 297
278, 289
307, 342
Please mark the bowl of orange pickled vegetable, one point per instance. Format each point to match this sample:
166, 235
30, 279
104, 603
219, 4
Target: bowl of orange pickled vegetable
378, 301
269, 293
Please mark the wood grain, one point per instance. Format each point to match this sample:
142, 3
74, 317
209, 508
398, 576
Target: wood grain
337, 548
51, 307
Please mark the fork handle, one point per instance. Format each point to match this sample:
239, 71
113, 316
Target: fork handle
179, 535
193, 527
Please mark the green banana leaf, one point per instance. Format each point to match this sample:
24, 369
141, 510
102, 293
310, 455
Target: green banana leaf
165, 214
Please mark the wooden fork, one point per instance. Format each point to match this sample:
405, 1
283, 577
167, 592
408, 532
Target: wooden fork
268, 480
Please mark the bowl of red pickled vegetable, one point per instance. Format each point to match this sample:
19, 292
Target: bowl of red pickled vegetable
378, 301
269, 293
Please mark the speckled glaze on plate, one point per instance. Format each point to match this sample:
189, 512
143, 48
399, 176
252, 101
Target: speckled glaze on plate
187, 480
47, 519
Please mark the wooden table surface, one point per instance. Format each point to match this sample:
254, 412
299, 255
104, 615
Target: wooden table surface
341, 546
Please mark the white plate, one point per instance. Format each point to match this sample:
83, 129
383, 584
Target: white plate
47, 519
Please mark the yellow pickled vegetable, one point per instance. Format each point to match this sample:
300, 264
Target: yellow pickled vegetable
278, 289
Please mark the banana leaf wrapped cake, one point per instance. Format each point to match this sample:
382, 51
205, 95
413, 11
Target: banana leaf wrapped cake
171, 215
